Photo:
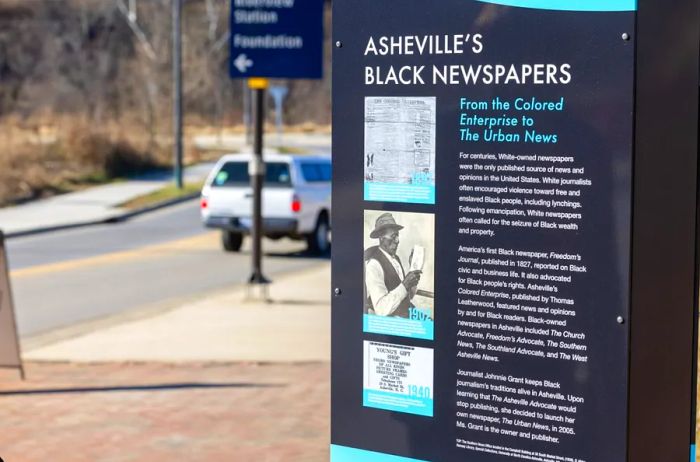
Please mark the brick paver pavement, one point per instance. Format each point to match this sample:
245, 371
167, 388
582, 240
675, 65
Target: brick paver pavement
117, 412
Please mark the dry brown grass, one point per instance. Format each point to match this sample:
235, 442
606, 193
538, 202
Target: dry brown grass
50, 154
39, 159
308, 127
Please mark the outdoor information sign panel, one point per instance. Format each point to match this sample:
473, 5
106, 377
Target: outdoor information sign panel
277, 39
483, 156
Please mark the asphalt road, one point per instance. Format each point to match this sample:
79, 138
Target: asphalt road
68, 277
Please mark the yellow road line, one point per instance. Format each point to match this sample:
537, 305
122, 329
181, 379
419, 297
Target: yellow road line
205, 241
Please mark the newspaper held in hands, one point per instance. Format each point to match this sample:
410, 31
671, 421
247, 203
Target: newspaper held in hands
418, 258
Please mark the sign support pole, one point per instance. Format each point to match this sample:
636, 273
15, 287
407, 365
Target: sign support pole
664, 273
256, 170
290, 47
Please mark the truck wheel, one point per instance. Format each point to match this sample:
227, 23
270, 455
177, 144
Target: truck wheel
319, 240
230, 241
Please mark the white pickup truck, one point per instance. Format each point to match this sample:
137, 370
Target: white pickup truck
296, 199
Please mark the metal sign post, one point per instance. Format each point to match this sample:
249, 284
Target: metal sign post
10, 356
280, 39
256, 171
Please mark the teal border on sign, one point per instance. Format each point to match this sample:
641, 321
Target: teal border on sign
692, 453
402, 193
397, 402
400, 327
570, 5
346, 454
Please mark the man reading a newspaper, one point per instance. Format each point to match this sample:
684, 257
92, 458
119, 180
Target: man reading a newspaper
389, 289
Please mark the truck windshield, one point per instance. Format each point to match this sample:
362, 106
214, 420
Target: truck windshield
235, 174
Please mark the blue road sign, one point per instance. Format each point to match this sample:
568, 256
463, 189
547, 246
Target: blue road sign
277, 39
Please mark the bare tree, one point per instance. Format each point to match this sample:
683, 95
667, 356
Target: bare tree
150, 24
130, 13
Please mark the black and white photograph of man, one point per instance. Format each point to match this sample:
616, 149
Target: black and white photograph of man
399, 269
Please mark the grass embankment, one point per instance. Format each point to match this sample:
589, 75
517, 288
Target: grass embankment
55, 154
166, 194
42, 161
292, 150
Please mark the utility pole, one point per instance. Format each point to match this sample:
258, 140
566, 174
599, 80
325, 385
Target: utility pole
177, 92
247, 119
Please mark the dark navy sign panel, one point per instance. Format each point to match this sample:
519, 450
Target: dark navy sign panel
532, 227
277, 39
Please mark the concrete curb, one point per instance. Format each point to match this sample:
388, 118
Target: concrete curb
116, 218
152, 208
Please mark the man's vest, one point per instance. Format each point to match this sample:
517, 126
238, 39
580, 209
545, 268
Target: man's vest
391, 280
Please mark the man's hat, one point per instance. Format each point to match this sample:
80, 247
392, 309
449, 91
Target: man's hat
385, 221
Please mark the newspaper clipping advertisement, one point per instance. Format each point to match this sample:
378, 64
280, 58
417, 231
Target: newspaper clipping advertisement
398, 378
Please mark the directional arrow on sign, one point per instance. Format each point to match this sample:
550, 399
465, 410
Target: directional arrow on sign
242, 63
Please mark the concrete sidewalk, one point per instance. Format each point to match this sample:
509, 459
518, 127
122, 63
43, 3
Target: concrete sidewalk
93, 205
